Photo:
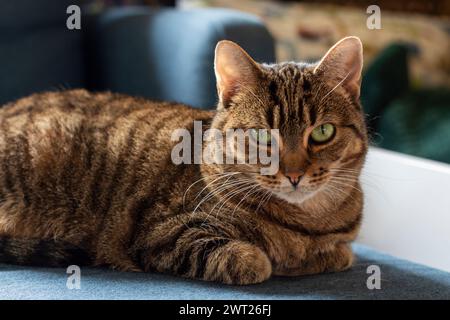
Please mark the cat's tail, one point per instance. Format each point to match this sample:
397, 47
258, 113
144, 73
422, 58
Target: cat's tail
39, 252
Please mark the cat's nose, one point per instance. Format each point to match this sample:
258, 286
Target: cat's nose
294, 177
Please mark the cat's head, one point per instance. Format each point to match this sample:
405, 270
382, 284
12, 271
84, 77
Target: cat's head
321, 136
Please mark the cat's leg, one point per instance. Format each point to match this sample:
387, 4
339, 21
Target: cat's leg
338, 259
111, 243
238, 263
200, 251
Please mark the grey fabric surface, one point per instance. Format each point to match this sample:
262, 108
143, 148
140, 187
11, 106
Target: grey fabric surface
400, 280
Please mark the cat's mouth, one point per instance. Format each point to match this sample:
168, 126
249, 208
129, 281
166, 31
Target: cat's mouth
296, 194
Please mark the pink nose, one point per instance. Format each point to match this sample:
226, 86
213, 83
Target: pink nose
294, 177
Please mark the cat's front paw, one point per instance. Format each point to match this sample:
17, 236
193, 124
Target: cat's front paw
338, 259
343, 258
238, 263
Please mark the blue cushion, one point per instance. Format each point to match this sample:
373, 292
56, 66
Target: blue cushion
400, 280
169, 54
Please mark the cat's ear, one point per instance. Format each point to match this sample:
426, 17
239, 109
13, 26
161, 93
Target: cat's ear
235, 70
342, 65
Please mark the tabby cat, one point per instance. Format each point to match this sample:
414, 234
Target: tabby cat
87, 178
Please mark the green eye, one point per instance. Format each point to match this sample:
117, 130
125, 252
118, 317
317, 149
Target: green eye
261, 135
323, 133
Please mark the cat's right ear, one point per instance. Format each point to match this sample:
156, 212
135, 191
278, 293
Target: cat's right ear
342, 65
235, 71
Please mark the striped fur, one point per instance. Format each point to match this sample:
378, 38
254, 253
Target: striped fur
88, 179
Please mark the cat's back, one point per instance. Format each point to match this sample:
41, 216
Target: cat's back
104, 109
84, 151
55, 128
79, 114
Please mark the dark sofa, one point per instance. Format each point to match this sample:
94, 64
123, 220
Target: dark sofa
164, 54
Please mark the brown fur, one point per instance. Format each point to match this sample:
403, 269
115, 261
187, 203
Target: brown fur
93, 171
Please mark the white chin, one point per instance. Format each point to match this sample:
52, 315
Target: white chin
295, 197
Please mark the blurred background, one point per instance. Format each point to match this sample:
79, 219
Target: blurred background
163, 49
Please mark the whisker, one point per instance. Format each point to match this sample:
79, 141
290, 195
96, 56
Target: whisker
215, 192
250, 192
224, 176
336, 188
227, 197
263, 199
195, 182
345, 184
231, 194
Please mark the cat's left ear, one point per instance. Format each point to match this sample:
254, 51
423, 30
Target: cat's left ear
235, 71
342, 65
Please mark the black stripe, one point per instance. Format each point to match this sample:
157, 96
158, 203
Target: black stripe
168, 243
37, 252
311, 232
72, 174
24, 161
147, 202
270, 117
95, 187
124, 113
306, 85
137, 164
90, 149
312, 114
58, 254
354, 156
150, 143
273, 90
355, 130
23, 158
288, 105
5, 252
300, 109
207, 249
283, 115
120, 169
185, 265
201, 257
7, 183
297, 76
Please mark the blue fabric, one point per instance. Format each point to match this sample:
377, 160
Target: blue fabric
400, 280
169, 54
